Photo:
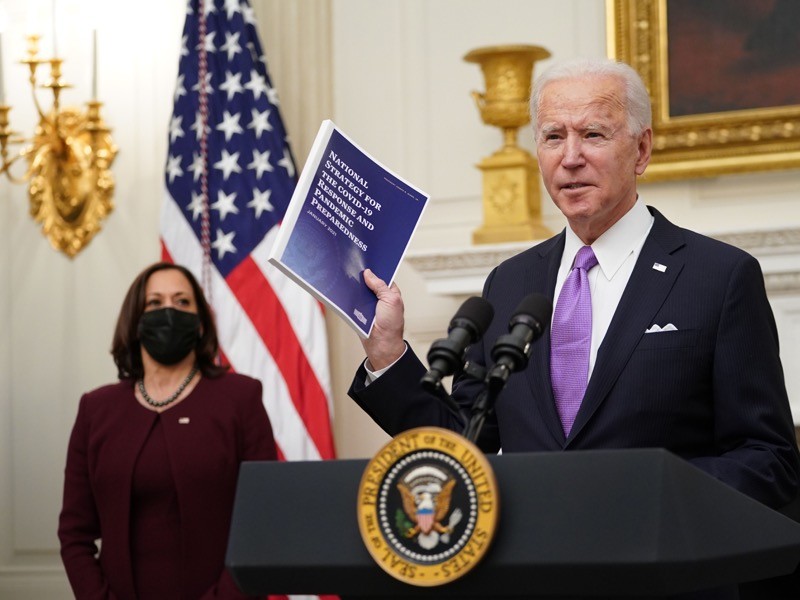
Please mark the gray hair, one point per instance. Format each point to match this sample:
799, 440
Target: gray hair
637, 99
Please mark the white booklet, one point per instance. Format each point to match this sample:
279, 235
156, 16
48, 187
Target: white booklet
348, 213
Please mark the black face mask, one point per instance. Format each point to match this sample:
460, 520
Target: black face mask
169, 334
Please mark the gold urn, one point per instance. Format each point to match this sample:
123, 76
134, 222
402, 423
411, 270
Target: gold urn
511, 197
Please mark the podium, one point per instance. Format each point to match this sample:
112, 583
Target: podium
589, 524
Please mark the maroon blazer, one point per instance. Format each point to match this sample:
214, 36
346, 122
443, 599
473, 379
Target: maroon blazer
220, 424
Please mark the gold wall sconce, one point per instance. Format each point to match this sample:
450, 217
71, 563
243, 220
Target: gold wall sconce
511, 196
69, 156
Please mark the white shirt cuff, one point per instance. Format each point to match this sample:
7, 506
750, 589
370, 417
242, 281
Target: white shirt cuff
373, 375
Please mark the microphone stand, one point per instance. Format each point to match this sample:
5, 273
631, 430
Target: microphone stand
432, 382
510, 353
484, 403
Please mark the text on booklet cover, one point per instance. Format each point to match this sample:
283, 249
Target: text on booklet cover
348, 213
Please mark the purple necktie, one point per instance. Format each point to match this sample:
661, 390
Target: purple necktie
571, 339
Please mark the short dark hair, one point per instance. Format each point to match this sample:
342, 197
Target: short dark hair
125, 347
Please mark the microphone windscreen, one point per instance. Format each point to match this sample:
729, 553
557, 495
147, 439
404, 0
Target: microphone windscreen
478, 311
537, 306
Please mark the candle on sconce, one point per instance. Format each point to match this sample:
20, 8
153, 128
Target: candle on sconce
2, 78
3, 23
55, 39
94, 64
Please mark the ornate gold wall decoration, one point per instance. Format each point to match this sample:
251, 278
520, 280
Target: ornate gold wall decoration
687, 142
69, 158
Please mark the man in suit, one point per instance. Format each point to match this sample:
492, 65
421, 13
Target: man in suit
681, 351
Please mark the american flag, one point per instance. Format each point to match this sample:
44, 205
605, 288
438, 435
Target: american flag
229, 178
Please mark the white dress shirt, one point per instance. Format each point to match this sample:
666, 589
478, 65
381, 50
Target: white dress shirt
616, 251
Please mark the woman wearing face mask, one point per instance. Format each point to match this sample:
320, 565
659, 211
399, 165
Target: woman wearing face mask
153, 459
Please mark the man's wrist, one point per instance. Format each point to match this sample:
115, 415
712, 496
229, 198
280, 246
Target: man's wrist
373, 373
382, 358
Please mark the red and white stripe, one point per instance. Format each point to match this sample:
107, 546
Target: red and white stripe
268, 329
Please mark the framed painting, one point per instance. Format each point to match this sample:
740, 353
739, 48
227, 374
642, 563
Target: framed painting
723, 77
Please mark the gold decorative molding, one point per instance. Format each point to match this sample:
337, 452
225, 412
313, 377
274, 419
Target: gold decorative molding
696, 145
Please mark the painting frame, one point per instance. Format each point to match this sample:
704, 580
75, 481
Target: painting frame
696, 145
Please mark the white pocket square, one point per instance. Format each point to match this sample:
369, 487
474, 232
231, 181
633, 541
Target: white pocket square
658, 329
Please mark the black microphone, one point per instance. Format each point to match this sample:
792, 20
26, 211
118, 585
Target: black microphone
446, 355
512, 350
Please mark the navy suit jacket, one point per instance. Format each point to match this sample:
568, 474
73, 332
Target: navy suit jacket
712, 392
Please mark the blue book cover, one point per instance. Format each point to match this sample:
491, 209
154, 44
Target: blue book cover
348, 213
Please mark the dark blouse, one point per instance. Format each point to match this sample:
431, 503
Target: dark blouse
155, 521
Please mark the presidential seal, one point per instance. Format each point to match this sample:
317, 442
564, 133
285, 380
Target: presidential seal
428, 506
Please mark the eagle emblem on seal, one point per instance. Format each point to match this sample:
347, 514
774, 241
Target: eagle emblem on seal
426, 494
